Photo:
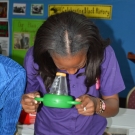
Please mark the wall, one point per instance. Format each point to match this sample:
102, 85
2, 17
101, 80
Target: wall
120, 29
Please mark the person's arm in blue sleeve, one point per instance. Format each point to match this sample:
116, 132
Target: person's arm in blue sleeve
10, 112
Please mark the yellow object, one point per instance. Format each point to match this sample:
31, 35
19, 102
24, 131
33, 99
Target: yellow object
89, 10
61, 74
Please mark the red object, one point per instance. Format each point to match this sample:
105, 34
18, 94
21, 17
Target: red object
27, 118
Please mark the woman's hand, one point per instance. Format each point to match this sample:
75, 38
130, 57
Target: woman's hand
88, 105
28, 103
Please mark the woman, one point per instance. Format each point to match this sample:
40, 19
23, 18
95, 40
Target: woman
69, 42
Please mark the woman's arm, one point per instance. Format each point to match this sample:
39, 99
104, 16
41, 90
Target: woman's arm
31, 72
28, 103
91, 105
111, 105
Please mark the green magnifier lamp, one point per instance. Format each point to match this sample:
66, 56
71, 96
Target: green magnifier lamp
58, 96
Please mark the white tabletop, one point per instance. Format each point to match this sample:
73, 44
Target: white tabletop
124, 120
25, 129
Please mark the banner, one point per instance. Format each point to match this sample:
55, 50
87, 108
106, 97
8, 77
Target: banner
90, 11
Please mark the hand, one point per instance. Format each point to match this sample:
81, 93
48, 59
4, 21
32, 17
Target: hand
28, 103
88, 105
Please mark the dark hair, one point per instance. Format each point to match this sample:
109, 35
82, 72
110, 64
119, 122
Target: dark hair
82, 34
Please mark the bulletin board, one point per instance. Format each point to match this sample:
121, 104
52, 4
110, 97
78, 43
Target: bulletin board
24, 29
115, 20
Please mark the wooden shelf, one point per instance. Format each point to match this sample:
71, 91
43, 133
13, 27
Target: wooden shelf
131, 56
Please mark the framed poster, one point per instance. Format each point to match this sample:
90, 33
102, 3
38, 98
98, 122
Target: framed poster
4, 9
23, 36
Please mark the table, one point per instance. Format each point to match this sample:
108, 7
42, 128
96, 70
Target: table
123, 122
25, 129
